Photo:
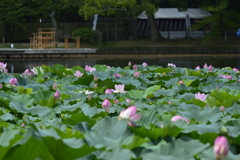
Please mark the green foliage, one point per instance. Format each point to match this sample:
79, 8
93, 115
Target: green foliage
36, 125
86, 34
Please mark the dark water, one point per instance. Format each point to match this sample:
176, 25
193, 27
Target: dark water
19, 65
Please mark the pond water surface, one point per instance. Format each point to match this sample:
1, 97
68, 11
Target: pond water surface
19, 65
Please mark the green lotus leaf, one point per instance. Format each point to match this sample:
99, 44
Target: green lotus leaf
155, 132
36, 87
171, 82
85, 80
160, 157
47, 102
69, 87
22, 90
77, 68
234, 110
134, 142
100, 67
135, 94
212, 86
206, 115
224, 97
34, 110
128, 81
192, 72
9, 137
149, 91
161, 70
148, 117
118, 154
40, 95
102, 75
25, 99
142, 105
69, 108
29, 150
187, 96
203, 128
162, 92
73, 95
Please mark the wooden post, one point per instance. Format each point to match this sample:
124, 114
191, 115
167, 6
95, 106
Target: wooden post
78, 42
66, 42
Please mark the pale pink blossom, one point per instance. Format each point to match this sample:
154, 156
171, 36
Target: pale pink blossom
128, 100
13, 81
205, 66
222, 108
95, 78
220, 147
89, 97
135, 67
171, 64
54, 87
0, 85
106, 104
176, 118
144, 64
78, 74
200, 96
116, 101
136, 74
129, 63
57, 95
33, 71
27, 72
235, 69
109, 91
89, 68
5, 70
116, 75
210, 68
130, 114
87, 92
119, 88
229, 77
169, 102
3, 66
181, 82
198, 67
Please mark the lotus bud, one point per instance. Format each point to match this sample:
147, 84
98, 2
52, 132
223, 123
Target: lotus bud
13, 81
136, 74
198, 68
205, 66
57, 95
144, 64
229, 77
54, 87
117, 75
89, 97
220, 147
169, 102
0, 85
221, 108
128, 100
210, 68
95, 78
129, 63
95, 85
106, 104
23, 125
108, 91
116, 101
135, 67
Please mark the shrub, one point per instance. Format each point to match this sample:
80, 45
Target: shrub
87, 34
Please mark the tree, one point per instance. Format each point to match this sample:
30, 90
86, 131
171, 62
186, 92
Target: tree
13, 13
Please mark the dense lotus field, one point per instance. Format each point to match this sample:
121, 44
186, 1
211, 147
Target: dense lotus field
139, 112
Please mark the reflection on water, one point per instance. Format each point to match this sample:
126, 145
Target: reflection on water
19, 65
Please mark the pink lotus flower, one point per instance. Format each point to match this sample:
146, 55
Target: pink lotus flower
57, 95
130, 115
198, 67
78, 74
13, 81
136, 74
27, 73
54, 87
235, 69
128, 100
144, 64
5, 70
109, 91
106, 104
220, 147
210, 68
205, 66
0, 85
116, 75
3, 66
116, 101
119, 88
33, 71
171, 64
200, 96
229, 77
135, 67
176, 118
89, 68
181, 82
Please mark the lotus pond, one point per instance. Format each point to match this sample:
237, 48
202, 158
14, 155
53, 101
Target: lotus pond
137, 112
